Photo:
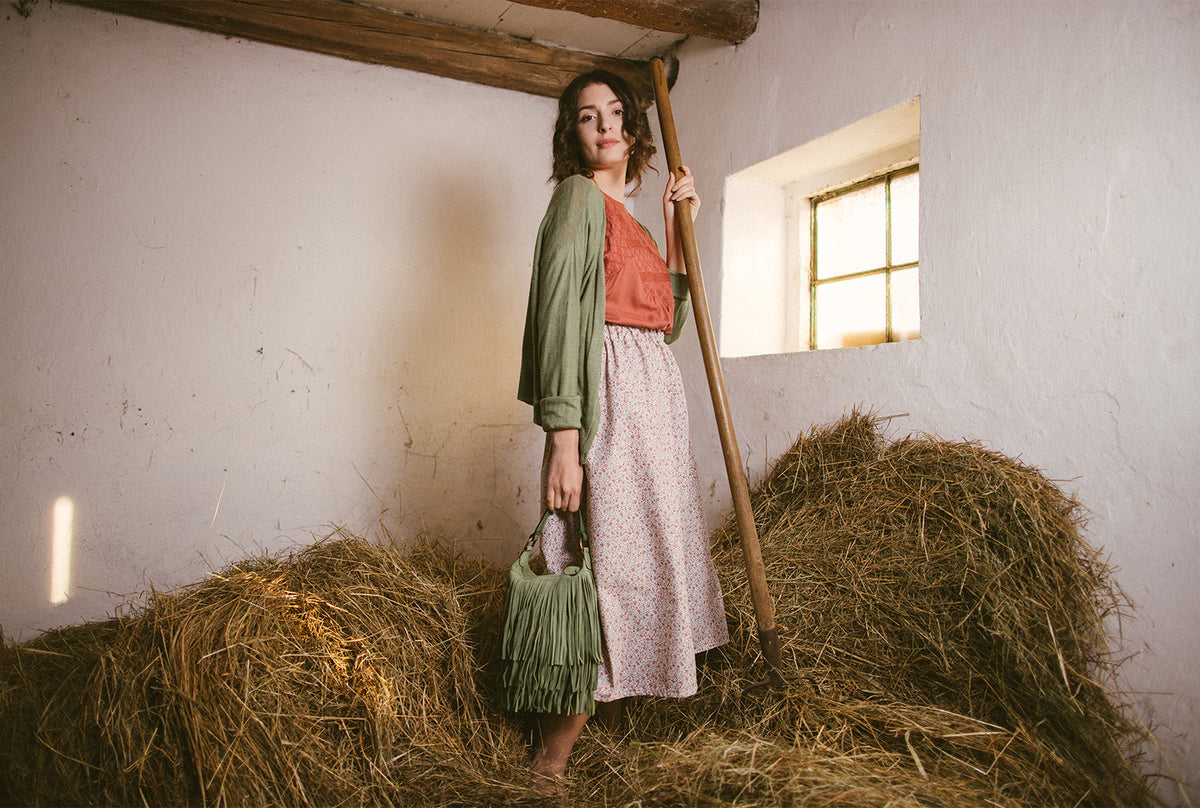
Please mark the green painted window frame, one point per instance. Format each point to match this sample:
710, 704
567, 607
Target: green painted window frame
886, 270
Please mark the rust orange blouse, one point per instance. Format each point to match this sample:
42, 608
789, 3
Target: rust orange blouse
637, 283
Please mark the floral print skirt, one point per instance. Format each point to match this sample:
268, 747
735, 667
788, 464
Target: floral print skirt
660, 600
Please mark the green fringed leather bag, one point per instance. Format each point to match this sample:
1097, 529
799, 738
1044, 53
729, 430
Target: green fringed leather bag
550, 640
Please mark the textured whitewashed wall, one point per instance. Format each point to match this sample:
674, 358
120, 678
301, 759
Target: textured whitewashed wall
234, 273
294, 285
1060, 265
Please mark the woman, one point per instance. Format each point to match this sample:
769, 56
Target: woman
603, 304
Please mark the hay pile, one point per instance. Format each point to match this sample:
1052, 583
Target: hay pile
346, 674
946, 617
945, 610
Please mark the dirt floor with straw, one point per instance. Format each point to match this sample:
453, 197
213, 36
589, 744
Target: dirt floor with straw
946, 621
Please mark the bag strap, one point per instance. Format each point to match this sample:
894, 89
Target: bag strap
581, 516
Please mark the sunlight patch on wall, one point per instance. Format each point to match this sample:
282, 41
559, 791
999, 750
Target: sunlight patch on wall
61, 540
767, 280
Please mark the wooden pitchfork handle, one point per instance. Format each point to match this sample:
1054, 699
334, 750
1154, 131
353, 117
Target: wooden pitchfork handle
764, 611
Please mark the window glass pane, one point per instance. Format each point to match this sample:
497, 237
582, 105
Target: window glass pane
906, 305
905, 192
850, 232
852, 312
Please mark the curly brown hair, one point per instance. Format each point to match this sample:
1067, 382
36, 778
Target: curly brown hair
568, 158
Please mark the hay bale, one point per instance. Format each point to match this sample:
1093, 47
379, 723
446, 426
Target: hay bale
946, 578
947, 617
82, 720
345, 674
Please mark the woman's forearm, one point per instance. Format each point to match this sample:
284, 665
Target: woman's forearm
564, 478
675, 261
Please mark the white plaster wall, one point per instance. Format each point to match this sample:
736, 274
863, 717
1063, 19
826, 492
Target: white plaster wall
234, 273
295, 285
1060, 266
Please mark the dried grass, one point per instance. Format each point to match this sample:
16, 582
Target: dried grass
948, 621
345, 674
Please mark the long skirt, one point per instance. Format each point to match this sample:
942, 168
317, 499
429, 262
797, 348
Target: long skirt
660, 600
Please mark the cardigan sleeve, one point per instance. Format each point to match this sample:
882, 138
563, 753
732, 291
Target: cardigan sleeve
683, 305
557, 319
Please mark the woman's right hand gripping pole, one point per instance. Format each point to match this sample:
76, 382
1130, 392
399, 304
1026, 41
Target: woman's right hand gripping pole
564, 481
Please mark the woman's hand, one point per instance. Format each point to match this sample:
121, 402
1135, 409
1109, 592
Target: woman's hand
564, 480
676, 190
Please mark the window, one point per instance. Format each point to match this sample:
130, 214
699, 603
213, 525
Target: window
863, 286
786, 284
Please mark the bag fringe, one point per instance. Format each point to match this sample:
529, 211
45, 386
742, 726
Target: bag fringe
550, 641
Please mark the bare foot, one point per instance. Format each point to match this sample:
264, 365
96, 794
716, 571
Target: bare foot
545, 779
556, 737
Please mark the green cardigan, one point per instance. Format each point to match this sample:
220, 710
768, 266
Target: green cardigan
563, 348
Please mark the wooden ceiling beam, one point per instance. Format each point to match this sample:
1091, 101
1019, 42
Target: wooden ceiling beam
376, 36
730, 21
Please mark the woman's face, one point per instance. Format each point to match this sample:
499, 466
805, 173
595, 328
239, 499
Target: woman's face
600, 124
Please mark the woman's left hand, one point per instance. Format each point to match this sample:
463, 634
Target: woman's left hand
677, 189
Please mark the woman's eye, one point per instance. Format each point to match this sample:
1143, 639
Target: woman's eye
618, 112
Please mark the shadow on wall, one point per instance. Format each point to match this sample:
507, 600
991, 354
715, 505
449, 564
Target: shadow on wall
452, 439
